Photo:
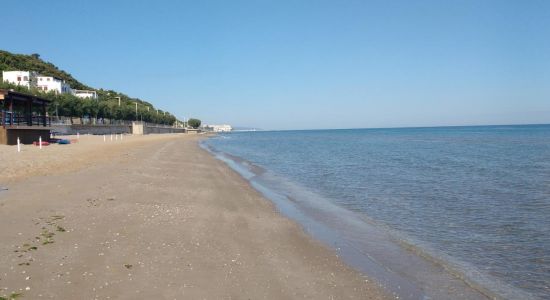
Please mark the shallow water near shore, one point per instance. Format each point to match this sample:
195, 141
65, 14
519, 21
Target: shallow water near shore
433, 213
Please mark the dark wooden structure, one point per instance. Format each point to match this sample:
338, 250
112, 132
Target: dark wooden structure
24, 116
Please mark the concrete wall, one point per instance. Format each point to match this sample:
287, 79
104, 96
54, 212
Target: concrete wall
138, 128
91, 129
158, 130
8, 136
194, 131
3, 136
135, 128
144, 128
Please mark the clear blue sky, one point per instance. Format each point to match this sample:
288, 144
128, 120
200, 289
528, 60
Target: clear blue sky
303, 64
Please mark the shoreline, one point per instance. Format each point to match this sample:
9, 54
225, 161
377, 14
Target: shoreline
403, 268
157, 218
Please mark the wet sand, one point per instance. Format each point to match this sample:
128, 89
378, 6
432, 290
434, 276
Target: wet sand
153, 217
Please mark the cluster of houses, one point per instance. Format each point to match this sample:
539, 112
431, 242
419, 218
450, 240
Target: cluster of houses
218, 128
32, 79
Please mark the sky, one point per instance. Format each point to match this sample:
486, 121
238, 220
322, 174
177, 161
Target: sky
303, 64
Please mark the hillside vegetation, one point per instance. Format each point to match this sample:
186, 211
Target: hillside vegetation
21, 62
105, 107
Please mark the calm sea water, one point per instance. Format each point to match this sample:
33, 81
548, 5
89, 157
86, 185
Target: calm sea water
477, 198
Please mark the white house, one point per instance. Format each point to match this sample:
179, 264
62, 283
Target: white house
220, 128
49, 83
85, 94
25, 78
32, 79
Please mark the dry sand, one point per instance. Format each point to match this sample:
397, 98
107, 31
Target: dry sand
152, 217
54, 159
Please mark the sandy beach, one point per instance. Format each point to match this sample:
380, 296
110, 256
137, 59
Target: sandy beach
152, 217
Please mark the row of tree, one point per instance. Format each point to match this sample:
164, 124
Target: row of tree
109, 105
107, 108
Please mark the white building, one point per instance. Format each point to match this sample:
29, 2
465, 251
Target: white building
24, 78
32, 79
49, 83
219, 128
85, 94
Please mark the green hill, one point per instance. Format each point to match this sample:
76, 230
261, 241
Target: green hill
22, 62
106, 107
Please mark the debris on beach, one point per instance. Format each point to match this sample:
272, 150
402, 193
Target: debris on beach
63, 142
44, 143
12, 296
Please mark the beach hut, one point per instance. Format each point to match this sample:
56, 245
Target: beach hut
23, 116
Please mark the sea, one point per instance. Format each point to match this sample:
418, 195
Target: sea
427, 213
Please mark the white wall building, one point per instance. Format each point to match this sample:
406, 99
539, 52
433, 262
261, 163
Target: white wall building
85, 94
32, 79
219, 128
48, 83
24, 78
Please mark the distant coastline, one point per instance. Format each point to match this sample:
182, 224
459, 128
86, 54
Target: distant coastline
410, 127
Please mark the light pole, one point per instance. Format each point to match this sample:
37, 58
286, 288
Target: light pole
136, 112
118, 100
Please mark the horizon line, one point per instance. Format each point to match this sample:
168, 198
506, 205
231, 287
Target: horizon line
251, 129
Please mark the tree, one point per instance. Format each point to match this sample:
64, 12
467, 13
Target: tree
109, 105
195, 123
104, 111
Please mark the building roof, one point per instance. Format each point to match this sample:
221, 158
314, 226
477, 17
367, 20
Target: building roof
18, 96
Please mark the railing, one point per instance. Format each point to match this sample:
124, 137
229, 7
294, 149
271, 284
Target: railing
7, 118
19, 119
160, 125
88, 121
41, 120
10, 118
102, 121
